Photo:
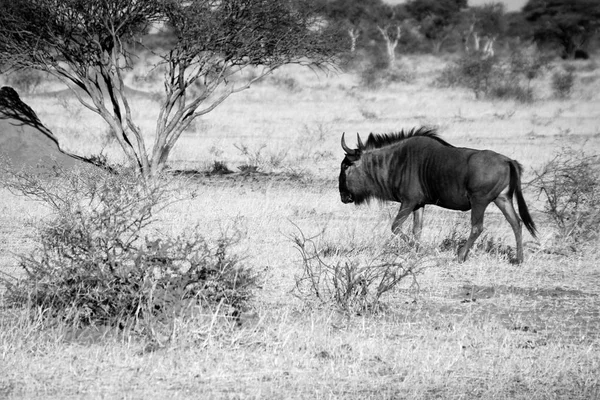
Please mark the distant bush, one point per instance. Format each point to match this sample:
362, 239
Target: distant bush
510, 90
494, 77
101, 261
527, 64
570, 186
288, 83
472, 71
563, 82
377, 76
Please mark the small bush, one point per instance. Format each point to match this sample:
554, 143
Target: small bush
372, 78
570, 186
219, 168
335, 276
527, 63
562, 83
512, 90
101, 260
471, 71
375, 76
286, 82
494, 77
449, 77
258, 159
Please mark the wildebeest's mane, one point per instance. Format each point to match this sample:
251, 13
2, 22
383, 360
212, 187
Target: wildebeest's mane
379, 140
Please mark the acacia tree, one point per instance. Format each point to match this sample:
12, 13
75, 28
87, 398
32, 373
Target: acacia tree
86, 45
485, 25
388, 20
569, 23
437, 19
351, 15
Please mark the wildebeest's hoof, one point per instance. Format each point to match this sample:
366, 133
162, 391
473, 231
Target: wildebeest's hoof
516, 261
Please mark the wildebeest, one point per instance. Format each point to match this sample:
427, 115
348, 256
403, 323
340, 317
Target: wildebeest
417, 167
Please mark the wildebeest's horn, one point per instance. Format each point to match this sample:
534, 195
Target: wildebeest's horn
360, 143
347, 149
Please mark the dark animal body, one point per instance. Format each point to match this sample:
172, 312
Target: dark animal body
417, 168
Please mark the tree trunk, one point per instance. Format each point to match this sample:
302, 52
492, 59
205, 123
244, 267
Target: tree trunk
467, 37
391, 42
488, 49
354, 33
476, 42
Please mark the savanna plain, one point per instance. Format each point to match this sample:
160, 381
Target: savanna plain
485, 328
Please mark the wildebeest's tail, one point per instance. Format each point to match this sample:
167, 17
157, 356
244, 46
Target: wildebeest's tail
515, 186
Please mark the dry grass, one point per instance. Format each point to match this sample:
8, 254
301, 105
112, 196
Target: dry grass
482, 329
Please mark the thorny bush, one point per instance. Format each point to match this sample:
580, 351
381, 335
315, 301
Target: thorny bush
100, 258
570, 186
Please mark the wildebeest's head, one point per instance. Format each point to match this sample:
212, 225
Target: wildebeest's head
348, 189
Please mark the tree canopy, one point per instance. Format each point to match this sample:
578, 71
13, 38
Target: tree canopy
567, 23
437, 18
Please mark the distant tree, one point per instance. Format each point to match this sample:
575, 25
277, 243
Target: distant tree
518, 28
86, 45
437, 19
374, 19
570, 24
353, 16
485, 25
389, 22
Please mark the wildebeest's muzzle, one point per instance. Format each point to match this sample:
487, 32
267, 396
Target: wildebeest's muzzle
346, 198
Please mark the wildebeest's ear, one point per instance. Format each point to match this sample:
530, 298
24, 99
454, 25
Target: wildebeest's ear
347, 149
361, 146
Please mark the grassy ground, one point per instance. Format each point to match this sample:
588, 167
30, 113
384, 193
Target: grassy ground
482, 329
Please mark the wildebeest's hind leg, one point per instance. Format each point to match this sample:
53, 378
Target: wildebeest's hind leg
505, 205
477, 212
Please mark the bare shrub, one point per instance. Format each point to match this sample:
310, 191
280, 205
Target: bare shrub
334, 276
258, 159
563, 82
100, 260
219, 168
570, 186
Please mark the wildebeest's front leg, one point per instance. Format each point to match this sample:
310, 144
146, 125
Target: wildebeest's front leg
477, 212
418, 222
405, 210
